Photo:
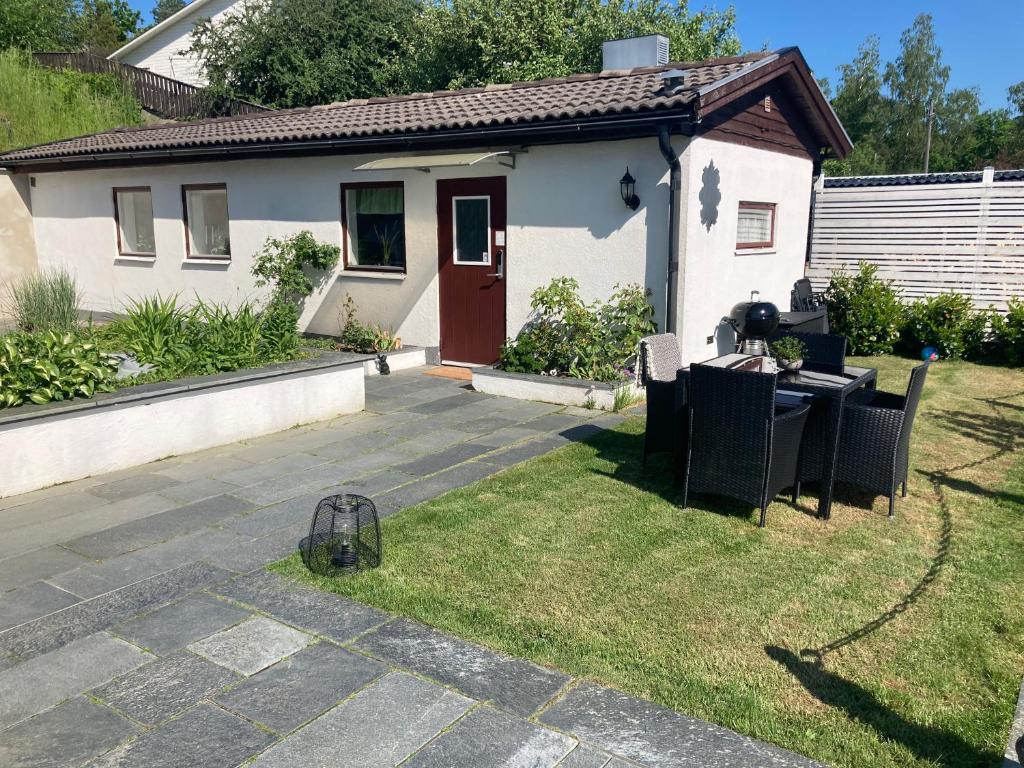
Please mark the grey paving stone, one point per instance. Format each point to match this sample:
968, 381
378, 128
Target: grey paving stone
355, 445
278, 488
506, 436
253, 645
433, 486
58, 629
299, 688
64, 737
159, 527
275, 516
585, 757
195, 467
98, 578
519, 453
377, 483
367, 463
260, 552
6, 660
134, 485
176, 625
580, 433
165, 687
256, 473
31, 602
654, 736
552, 422
429, 440
436, 462
523, 410
491, 738
37, 564
198, 489
52, 506
479, 425
327, 614
516, 685
204, 737
443, 404
377, 728
37, 684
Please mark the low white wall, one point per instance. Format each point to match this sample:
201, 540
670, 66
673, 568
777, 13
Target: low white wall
59, 448
401, 360
548, 389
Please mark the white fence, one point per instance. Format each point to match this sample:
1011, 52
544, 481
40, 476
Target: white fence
965, 234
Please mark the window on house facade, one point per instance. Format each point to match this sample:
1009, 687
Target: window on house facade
133, 217
755, 225
373, 223
206, 221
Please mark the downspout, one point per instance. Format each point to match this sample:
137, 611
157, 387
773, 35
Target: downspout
675, 191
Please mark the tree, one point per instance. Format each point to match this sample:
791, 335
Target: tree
164, 9
290, 53
105, 25
863, 110
38, 25
462, 43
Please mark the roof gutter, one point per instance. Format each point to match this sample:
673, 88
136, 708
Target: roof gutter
675, 193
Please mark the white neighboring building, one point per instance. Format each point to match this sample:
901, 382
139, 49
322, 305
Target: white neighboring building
162, 48
452, 207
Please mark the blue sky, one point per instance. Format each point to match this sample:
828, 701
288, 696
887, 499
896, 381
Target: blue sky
981, 41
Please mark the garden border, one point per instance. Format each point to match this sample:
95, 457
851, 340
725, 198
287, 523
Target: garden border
562, 390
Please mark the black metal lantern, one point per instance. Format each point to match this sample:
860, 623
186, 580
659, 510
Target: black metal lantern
627, 187
344, 536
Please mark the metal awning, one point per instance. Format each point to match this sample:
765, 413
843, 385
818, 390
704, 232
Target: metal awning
505, 157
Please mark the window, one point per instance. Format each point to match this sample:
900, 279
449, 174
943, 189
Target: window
206, 221
133, 218
471, 223
755, 227
373, 222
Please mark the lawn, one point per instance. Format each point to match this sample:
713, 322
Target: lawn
860, 642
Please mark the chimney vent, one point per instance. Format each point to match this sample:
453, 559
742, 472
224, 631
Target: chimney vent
647, 51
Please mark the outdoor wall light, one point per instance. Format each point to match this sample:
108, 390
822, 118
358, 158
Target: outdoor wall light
627, 185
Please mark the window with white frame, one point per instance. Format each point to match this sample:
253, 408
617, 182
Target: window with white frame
206, 221
755, 225
373, 223
133, 217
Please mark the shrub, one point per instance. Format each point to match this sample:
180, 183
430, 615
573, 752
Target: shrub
569, 337
222, 339
46, 301
283, 264
40, 367
279, 324
1008, 332
357, 336
947, 322
865, 309
153, 330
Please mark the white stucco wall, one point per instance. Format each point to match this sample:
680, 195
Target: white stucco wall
17, 241
163, 52
714, 276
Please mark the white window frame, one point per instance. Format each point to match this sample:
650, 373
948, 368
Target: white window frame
455, 232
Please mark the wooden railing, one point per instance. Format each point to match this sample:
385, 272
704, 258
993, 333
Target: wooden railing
163, 96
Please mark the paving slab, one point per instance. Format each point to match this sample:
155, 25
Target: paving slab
301, 687
477, 425
176, 625
486, 737
134, 485
253, 645
197, 490
275, 516
553, 422
37, 684
585, 757
516, 685
255, 473
377, 728
431, 440
522, 452
195, 466
327, 614
445, 459
375, 484
158, 527
204, 737
505, 437
156, 691
433, 486
259, 552
63, 737
348, 447
51, 507
50, 632
37, 564
31, 602
279, 487
655, 736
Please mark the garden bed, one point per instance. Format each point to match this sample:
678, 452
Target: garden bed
58, 442
563, 390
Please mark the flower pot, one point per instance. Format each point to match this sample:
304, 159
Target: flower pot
790, 365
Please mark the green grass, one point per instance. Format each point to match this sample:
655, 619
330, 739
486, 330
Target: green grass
39, 105
860, 642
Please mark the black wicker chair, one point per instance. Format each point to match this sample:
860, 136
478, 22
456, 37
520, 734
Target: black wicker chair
826, 352
804, 299
740, 444
874, 444
658, 362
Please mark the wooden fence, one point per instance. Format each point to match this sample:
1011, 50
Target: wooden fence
929, 238
163, 96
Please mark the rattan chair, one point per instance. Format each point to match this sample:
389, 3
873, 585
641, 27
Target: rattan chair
826, 352
804, 299
659, 360
874, 444
740, 444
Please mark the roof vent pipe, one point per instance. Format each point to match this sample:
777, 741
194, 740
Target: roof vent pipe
647, 51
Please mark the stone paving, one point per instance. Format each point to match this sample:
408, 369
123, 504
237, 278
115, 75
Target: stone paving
138, 626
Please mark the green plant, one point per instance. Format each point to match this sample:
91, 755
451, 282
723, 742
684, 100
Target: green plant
1008, 332
865, 309
222, 339
788, 348
45, 366
46, 301
279, 329
283, 264
153, 330
357, 336
568, 337
949, 323
625, 397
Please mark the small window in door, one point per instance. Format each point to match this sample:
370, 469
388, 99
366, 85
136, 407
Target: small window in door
472, 230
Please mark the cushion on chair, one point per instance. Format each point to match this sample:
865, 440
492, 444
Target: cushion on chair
660, 357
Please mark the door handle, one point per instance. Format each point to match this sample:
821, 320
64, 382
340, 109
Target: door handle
499, 258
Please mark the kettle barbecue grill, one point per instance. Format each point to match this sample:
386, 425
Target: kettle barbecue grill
754, 321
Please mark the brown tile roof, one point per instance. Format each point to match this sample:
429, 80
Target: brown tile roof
577, 97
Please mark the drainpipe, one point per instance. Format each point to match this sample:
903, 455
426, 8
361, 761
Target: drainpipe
675, 189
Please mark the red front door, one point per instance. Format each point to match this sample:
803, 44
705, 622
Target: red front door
472, 264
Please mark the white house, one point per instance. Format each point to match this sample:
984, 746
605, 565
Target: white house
163, 48
452, 207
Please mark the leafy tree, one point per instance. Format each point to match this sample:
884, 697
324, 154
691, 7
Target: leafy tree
863, 110
105, 25
164, 9
1015, 95
38, 24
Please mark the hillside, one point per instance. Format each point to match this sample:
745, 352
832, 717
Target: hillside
39, 105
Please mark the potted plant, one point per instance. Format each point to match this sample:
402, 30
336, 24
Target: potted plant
789, 352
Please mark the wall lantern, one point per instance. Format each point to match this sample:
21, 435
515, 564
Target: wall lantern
627, 186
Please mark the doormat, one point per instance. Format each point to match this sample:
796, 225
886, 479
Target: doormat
451, 372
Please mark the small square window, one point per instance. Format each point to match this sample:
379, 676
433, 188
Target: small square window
373, 220
206, 221
133, 217
755, 225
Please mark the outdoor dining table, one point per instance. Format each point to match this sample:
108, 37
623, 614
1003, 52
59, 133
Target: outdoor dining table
828, 393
